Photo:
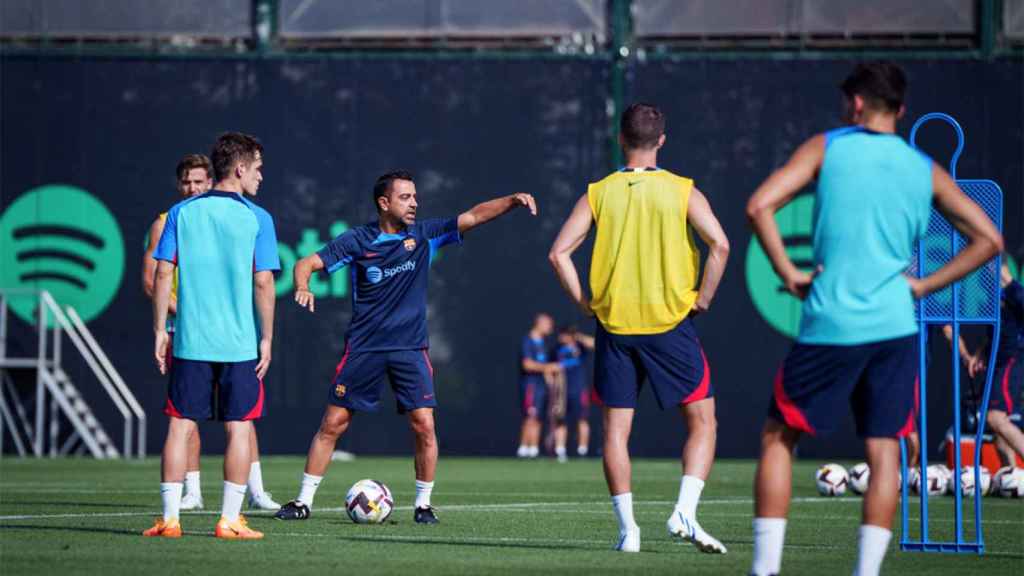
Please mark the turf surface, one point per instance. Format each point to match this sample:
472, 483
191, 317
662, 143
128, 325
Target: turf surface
498, 516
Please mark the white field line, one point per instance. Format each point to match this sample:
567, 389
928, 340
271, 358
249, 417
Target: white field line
530, 507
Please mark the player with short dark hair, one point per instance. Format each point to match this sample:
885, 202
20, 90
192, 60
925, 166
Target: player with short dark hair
226, 251
389, 262
573, 350
643, 280
535, 372
194, 175
857, 344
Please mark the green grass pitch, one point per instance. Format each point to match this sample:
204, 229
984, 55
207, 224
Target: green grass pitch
498, 516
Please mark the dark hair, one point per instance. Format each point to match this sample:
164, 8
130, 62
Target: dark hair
383, 185
569, 329
232, 148
642, 126
881, 84
191, 161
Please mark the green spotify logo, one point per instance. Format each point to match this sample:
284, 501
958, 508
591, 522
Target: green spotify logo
777, 306
62, 239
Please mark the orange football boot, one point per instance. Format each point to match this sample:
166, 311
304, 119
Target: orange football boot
237, 530
168, 529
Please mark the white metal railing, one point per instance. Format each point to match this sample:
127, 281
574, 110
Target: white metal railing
64, 397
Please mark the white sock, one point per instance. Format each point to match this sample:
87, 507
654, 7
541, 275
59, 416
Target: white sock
581, 450
170, 493
689, 494
623, 505
255, 479
423, 490
769, 536
192, 485
533, 451
233, 496
523, 451
309, 485
560, 451
873, 541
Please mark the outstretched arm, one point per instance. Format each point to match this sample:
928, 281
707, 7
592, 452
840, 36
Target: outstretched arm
585, 340
573, 232
700, 216
772, 195
487, 211
984, 241
303, 270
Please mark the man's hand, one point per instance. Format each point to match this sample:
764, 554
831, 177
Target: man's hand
523, 199
584, 306
552, 369
975, 364
264, 364
916, 287
699, 307
798, 283
305, 299
160, 350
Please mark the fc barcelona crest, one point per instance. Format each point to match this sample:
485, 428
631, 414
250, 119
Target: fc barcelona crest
339, 390
410, 244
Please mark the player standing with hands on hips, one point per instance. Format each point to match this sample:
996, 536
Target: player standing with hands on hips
643, 281
857, 344
389, 261
225, 249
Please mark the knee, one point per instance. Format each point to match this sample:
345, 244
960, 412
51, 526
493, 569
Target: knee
996, 419
333, 427
423, 427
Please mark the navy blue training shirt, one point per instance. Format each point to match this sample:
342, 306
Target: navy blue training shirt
534, 350
571, 358
389, 275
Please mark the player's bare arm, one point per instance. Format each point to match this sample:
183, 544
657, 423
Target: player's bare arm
585, 340
263, 290
772, 195
487, 211
984, 241
149, 264
303, 271
161, 302
573, 233
703, 220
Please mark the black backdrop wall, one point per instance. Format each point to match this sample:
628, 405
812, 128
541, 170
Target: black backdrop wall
469, 129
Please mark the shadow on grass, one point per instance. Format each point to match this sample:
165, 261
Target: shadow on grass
28, 527
81, 504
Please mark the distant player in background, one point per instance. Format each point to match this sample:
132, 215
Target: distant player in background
643, 280
536, 370
226, 252
389, 261
857, 344
573, 351
195, 176
1004, 403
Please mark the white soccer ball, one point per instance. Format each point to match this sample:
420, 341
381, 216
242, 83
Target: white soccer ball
369, 502
934, 483
1009, 482
967, 486
859, 476
831, 480
947, 477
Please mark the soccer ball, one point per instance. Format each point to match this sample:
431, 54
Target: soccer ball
967, 486
831, 480
934, 483
1009, 482
859, 476
369, 502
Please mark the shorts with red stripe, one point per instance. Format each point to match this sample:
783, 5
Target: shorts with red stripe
817, 382
673, 362
359, 375
202, 390
533, 395
1006, 384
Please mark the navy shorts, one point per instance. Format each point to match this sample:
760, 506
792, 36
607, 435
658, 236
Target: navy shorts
577, 403
357, 380
1006, 383
672, 361
227, 391
533, 396
817, 383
